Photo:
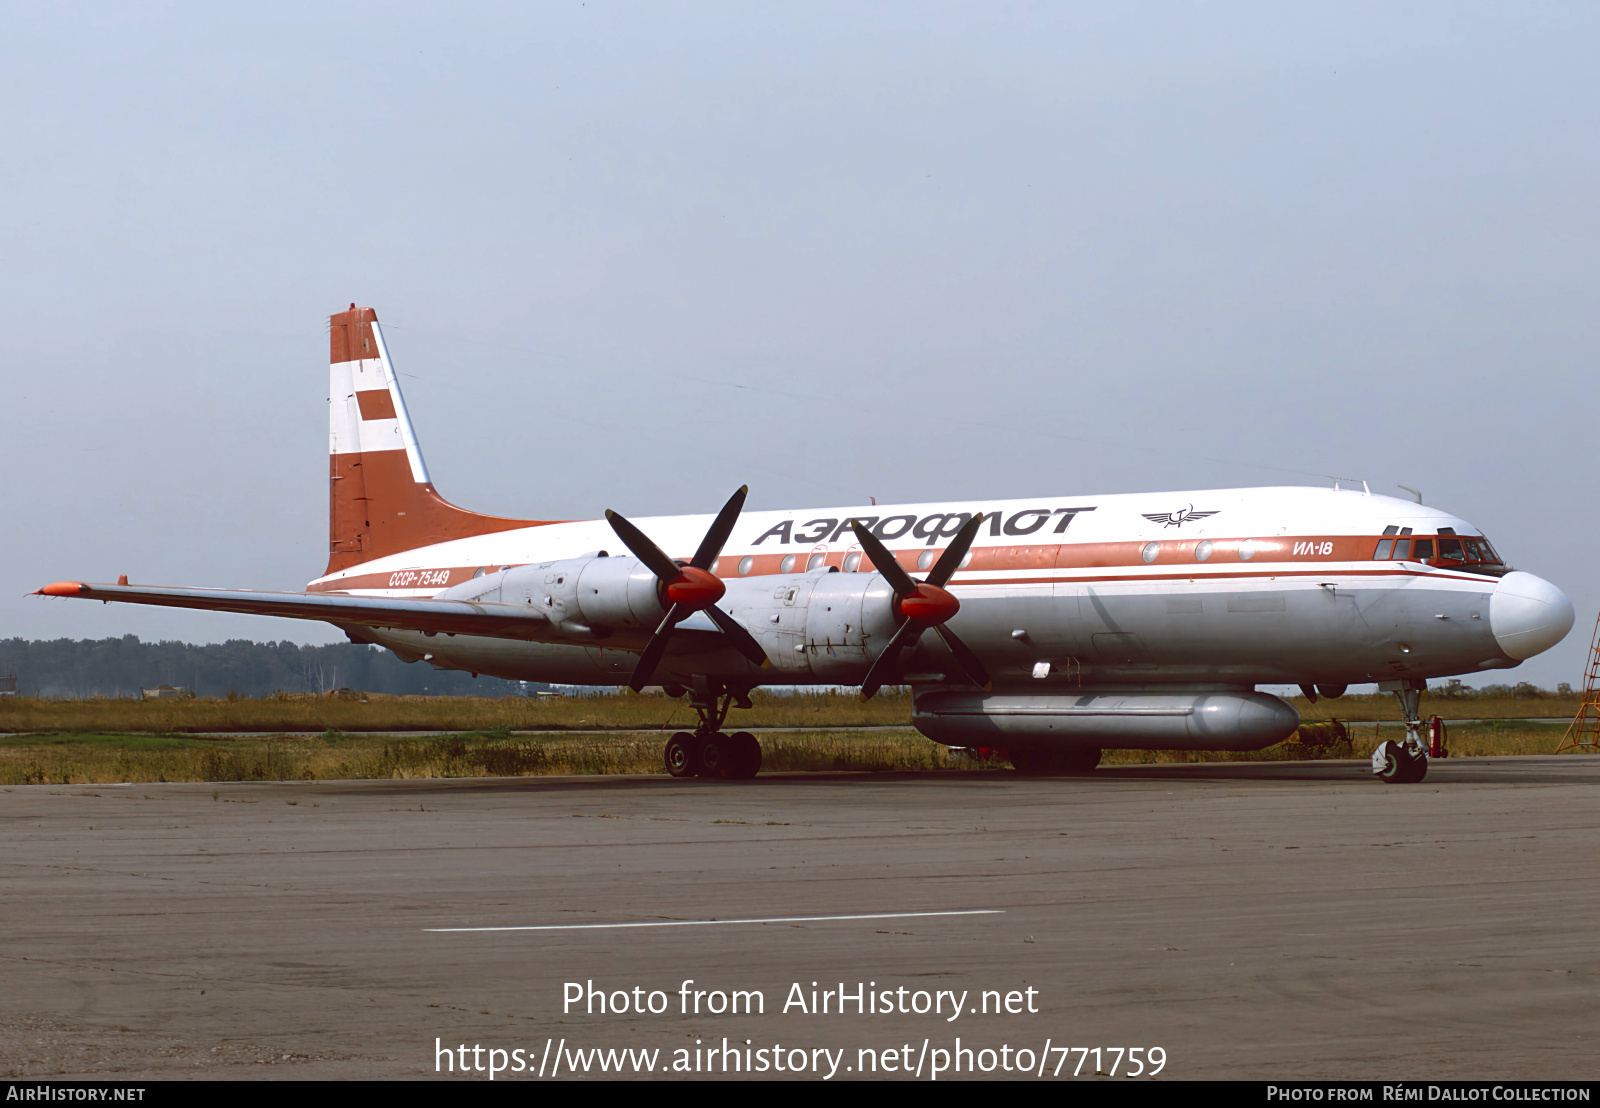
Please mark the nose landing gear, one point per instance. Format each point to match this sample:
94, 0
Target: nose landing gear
708, 751
1405, 762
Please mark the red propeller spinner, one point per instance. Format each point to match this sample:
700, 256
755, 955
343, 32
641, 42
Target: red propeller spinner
686, 589
923, 604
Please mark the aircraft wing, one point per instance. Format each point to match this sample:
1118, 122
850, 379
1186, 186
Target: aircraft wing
450, 617
455, 617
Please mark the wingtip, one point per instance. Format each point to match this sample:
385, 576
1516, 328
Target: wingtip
63, 588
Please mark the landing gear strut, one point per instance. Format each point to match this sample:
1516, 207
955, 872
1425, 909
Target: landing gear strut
708, 751
1405, 762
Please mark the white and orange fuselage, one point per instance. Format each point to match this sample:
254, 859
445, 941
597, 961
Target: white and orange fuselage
1210, 592
1243, 586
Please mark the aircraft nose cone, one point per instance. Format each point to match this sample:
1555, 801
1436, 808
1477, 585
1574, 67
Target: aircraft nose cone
1528, 615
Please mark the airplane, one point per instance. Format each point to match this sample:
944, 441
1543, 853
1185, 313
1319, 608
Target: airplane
1052, 629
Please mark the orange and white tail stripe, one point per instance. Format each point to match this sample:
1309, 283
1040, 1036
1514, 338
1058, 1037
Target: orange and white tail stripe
381, 500
366, 412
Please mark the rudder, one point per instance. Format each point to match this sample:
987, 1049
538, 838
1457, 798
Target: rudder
381, 500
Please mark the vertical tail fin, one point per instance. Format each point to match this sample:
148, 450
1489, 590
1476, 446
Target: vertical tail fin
381, 500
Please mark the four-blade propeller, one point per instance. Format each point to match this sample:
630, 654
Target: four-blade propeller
924, 604
687, 589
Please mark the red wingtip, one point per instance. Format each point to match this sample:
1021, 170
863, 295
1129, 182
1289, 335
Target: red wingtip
64, 588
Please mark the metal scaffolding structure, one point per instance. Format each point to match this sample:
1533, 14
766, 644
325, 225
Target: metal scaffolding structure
1585, 729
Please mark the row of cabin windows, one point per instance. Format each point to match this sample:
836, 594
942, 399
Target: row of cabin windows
1446, 546
852, 562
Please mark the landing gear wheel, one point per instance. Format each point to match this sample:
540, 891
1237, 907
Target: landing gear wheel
1393, 764
1076, 760
746, 756
1068, 761
682, 755
1419, 769
1026, 760
716, 755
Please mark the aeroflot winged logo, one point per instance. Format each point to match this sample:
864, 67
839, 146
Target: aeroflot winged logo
1177, 518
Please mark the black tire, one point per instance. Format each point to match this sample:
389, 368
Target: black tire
1419, 769
716, 755
1076, 760
1400, 766
1064, 761
746, 755
682, 755
1026, 760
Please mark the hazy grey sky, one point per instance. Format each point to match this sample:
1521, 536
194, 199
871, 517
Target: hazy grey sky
635, 255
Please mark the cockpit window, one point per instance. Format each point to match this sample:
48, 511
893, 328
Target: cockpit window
1452, 550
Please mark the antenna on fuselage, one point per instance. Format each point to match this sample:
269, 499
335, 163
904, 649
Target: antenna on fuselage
1416, 494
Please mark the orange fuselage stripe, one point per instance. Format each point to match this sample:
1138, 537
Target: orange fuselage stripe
1280, 556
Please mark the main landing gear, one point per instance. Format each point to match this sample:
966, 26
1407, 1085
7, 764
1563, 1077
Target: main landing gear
1405, 762
1069, 761
709, 751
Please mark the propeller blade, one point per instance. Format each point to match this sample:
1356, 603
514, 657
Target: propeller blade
743, 640
965, 658
721, 528
950, 560
907, 635
646, 551
650, 657
883, 561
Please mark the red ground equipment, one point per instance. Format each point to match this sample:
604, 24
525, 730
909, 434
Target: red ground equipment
1436, 738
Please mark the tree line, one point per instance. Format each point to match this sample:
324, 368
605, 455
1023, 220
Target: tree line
123, 666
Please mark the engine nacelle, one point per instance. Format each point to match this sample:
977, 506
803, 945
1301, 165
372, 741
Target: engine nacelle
823, 623
586, 598
1108, 719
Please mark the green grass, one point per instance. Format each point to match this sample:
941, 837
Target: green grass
284, 712
100, 757
1378, 706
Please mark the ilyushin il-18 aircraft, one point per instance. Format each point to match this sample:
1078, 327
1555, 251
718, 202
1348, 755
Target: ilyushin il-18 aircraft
1050, 628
